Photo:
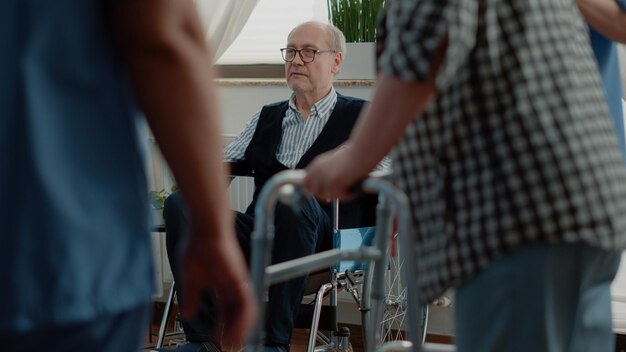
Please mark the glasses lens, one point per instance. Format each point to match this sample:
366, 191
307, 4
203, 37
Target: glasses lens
288, 54
308, 55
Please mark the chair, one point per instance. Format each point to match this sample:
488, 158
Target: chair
328, 282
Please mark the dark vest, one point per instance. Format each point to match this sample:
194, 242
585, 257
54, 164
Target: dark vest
261, 152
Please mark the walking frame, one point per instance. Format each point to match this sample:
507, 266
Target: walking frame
286, 187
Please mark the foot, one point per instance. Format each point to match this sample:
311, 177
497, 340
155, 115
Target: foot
191, 347
276, 348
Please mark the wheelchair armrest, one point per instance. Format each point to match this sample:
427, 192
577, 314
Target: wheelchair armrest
239, 168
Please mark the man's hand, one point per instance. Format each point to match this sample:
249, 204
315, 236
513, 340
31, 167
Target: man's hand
218, 265
331, 174
170, 67
606, 17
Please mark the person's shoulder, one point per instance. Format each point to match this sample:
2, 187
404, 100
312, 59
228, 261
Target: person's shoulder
351, 100
273, 109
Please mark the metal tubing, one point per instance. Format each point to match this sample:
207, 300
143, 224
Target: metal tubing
166, 315
302, 266
401, 204
409, 268
333, 276
377, 291
316, 314
262, 243
263, 235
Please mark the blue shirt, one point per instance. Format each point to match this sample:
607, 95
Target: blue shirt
605, 52
73, 194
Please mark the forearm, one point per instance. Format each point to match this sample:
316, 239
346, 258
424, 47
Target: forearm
606, 17
186, 126
170, 67
181, 110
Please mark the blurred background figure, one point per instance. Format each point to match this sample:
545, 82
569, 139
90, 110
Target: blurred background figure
607, 22
77, 264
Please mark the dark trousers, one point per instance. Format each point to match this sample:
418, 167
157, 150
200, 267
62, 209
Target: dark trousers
296, 235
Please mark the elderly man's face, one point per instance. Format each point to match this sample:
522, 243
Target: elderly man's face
316, 76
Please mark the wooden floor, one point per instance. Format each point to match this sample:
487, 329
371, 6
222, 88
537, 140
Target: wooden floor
299, 338
298, 343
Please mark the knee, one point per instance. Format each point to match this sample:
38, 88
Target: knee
308, 218
308, 209
305, 215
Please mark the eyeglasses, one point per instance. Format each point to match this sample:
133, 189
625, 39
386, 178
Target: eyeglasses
307, 55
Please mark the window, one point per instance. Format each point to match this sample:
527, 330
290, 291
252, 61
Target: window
267, 29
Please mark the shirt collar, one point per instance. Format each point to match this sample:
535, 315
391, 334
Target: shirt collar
320, 109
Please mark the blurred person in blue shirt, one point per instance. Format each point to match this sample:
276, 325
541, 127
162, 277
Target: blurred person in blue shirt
74, 75
607, 22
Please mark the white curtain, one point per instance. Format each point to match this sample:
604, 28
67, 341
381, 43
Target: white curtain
223, 20
267, 29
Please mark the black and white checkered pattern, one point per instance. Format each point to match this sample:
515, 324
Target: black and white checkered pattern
519, 146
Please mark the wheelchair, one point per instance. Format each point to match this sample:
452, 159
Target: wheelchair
382, 293
325, 283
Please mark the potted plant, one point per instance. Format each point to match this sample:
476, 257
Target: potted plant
157, 201
358, 20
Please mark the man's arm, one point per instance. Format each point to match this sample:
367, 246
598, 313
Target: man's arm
395, 104
170, 67
606, 16
393, 107
235, 150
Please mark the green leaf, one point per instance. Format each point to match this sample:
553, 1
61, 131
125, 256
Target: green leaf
157, 198
357, 19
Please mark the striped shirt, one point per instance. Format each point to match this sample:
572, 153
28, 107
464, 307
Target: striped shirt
517, 149
298, 133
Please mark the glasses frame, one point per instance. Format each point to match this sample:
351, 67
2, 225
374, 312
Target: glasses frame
299, 52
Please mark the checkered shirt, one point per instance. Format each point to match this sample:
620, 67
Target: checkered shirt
518, 147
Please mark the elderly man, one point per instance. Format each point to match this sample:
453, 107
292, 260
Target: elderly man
283, 135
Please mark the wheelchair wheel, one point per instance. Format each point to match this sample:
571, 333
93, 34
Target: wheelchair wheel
392, 324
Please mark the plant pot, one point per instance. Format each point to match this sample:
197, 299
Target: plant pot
157, 216
358, 61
